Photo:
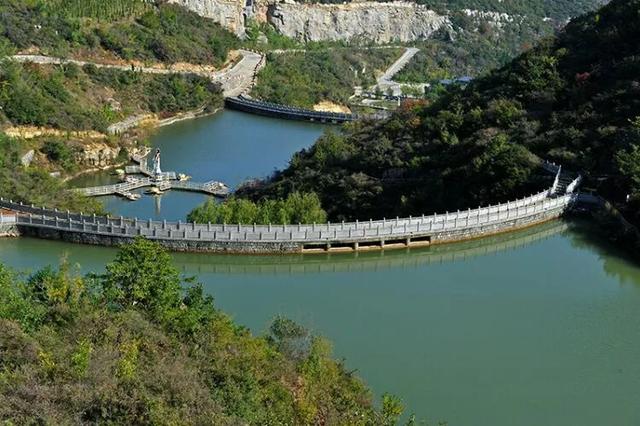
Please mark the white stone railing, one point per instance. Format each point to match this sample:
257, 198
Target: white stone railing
385, 229
574, 185
4, 218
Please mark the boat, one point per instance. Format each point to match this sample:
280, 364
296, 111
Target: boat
182, 177
132, 197
154, 190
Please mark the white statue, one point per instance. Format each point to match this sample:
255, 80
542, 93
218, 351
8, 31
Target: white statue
156, 163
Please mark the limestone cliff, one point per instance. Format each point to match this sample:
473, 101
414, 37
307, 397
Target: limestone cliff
375, 21
378, 22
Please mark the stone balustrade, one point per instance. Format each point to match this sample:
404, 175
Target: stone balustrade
450, 226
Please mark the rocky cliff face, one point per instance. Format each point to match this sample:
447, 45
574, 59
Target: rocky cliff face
96, 155
378, 22
228, 13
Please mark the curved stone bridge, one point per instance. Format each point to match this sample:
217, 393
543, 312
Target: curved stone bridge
238, 238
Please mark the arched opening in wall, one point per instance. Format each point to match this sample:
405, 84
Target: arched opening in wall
245, 19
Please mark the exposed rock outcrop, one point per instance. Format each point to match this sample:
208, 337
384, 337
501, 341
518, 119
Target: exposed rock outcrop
97, 155
378, 22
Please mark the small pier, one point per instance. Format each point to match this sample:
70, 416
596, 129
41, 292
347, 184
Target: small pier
124, 189
155, 178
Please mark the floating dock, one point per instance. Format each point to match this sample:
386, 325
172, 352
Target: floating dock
163, 181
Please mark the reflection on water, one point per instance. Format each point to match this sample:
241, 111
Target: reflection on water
361, 261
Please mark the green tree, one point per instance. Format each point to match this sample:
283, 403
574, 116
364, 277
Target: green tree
143, 276
296, 208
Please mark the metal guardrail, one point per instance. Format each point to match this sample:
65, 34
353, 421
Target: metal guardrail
253, 105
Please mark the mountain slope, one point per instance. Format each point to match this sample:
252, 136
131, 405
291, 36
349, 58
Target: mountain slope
574, 99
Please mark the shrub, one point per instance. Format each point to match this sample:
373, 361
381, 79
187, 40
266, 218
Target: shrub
296, 208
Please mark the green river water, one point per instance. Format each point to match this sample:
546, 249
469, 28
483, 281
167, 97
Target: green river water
539, 327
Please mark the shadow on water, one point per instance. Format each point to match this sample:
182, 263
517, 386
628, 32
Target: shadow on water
617, 262
28, 253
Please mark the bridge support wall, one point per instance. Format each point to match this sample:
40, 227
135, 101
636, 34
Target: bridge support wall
194, 246
9, 230
282, 111
496, 228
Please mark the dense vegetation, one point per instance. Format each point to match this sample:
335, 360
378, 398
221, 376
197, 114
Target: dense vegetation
164, 33
296, 208
73, 98
573, 99
34, 185
476, 47
140, 345
98, 9
306, 78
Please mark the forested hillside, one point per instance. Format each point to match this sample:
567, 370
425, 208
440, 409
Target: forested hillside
479, 42
140, 345
574, 99
480, 36
113, 29
61, 112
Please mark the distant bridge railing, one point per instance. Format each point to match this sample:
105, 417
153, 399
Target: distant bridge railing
245, 104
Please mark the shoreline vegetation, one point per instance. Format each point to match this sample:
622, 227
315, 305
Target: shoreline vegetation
141, 344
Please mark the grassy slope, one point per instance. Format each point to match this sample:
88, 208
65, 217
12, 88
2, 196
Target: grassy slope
89, 98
